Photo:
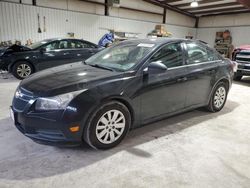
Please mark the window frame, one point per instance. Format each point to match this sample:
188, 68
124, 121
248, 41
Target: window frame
162, 46
83, 41
202, 46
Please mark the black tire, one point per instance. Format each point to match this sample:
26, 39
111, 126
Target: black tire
212, 106
90, 132
27, 71
237, 78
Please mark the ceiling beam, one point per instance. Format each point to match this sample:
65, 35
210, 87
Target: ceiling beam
220, 10
200, 3
170, 1
224, 5
227, 13
170, 7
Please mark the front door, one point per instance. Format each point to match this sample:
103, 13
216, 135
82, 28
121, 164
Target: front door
165, 93
56, 53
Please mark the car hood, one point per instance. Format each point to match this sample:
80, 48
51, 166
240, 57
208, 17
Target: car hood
244, 47
14, 48
66, 78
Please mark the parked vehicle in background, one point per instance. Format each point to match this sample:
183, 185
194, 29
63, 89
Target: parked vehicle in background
22, 61
120, 88
242, 56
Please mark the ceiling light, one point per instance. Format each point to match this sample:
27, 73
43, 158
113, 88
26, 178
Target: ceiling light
194, 4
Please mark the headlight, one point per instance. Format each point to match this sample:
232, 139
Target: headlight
57, 102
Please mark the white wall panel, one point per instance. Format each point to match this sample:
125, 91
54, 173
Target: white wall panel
179, 19
225, 20
18, 21
237, 24
240, 35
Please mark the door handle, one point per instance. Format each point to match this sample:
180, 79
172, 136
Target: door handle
65, 53
183, 79
211, 71
91, 52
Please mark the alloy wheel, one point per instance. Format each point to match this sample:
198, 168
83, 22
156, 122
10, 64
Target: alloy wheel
23, 70
110, 126
219, 97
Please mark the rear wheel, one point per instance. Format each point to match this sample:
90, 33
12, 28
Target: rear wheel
237, 78
218, 98
22, 69
108, 126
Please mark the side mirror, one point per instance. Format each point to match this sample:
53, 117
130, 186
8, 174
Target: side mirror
156, 67
42, 50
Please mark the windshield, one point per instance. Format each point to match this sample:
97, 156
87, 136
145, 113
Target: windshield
121, 57
38, 44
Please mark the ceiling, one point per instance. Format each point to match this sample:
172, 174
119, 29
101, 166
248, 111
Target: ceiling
206, 7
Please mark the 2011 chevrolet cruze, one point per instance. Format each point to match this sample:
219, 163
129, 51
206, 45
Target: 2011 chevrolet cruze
122, 87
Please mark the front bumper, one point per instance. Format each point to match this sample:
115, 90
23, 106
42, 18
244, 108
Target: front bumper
42, 129
243, 69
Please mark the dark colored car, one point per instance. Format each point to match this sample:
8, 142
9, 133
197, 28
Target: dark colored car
242, 56
120, 88
23, 61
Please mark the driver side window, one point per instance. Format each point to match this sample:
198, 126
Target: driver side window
51, 46
170, 55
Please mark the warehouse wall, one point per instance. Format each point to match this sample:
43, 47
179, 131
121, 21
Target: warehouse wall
238, 24
19, 22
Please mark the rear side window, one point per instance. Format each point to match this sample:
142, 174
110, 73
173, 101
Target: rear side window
196, 54
170, 55
81, 44
199, 54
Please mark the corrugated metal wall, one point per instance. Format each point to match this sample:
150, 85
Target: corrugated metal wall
19, 22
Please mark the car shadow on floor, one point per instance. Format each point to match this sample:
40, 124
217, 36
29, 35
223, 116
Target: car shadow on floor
245, 81
22, 159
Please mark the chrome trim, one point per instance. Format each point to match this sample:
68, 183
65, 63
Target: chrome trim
196, 64
243, 56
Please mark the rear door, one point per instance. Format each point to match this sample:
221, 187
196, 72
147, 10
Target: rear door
202, 67
82, 50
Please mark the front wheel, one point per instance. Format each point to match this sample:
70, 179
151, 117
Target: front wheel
22, 69
218, 98
108, 126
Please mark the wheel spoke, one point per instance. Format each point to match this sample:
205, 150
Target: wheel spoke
112, 136
109, 115
115, 115
119, 119
106, 137
101, 134
104, 120
117, 132
119, 125
100, 127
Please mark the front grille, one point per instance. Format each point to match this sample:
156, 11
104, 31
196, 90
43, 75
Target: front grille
243, 57
21, 99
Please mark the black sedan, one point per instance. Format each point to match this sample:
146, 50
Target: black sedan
22, 61
120, 88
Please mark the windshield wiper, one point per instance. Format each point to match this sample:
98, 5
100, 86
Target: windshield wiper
100, 66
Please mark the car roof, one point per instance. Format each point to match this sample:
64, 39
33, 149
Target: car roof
156, 41
53, 39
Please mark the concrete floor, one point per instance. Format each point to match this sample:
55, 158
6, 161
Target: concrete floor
195, 149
